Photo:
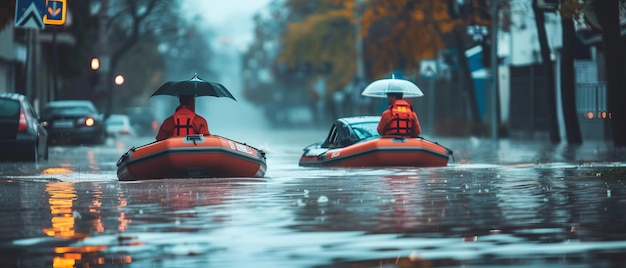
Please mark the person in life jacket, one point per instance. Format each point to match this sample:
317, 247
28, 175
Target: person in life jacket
184, 121
399, 119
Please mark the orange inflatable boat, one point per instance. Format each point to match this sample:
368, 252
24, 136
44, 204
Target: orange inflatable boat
193, 156
354, 142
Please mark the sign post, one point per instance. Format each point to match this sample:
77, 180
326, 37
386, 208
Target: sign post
429, 69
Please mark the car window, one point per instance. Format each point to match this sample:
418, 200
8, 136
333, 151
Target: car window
30, 110
365, 130
115, 120
70, 110
9, 109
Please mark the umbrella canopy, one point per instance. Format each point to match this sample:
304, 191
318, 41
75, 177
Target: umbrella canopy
380, 88
193, 87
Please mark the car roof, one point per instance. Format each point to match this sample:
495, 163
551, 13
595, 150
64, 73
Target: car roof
12, 95
65, 103
71, 103
118, 116
359, 119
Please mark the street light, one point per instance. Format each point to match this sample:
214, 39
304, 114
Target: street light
95, 63
119, 80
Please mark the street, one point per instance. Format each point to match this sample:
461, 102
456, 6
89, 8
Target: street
509, 204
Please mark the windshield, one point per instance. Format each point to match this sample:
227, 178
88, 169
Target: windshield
74, 110
365, 130
9, 109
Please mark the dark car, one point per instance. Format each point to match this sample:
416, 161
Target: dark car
73, 122
22, 137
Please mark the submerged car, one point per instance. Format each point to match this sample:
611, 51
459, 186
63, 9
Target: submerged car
22, 136
355, 142
118, 125
73, 122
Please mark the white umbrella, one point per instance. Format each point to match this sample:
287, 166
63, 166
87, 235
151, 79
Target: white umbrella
380, 88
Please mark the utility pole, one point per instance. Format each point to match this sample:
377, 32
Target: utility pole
358, 80
494, 69
103, 72
360, 70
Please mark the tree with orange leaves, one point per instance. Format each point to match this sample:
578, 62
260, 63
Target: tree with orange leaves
400, 33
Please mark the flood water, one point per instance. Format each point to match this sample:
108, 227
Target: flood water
497, 204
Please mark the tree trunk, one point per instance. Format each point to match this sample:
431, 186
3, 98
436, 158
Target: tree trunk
608, 18
568, 83
468, 81
548, 67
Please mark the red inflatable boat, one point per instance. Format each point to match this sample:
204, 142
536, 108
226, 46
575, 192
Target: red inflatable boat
354, 142
193, 156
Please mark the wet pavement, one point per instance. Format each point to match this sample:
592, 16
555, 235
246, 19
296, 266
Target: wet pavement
497, 204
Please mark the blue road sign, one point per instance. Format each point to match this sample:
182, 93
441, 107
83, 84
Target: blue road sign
428, 68
28, 13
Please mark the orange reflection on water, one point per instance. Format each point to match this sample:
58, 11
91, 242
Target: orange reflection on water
69, 256
119, 145
93, 163
95, 206
62, 196
57, 170
69, 251
63, 225
123, 221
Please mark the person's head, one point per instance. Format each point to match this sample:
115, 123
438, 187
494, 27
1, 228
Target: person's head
187, 100
391, 97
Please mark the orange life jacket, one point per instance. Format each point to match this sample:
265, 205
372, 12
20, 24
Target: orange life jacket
183, 119
401, 122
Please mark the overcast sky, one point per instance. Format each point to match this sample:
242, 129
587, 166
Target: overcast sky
232, 19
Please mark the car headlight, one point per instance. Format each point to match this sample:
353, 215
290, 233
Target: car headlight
87, 121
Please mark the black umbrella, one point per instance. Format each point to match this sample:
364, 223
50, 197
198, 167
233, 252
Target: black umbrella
193, 87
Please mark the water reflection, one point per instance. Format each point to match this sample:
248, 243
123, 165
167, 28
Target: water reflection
70, 223
62, 197
506, 205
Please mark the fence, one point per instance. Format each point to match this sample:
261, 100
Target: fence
592, 110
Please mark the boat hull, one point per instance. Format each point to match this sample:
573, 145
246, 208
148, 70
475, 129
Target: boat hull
192, 156
380, 152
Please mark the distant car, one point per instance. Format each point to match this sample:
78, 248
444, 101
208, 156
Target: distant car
22, 137
143, 121
118, 125
73, 122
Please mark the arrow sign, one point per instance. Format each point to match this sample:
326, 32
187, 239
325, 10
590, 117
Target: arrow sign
27, 15
55, 12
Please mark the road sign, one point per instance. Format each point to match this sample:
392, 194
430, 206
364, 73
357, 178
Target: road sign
55, 12
449, 57
28, 14
428, 68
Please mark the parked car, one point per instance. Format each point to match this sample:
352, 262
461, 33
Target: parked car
22, 136
73, 122
143, 120
118, 125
